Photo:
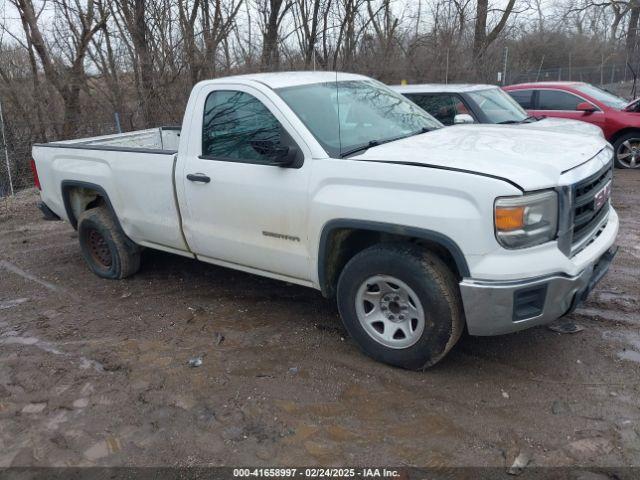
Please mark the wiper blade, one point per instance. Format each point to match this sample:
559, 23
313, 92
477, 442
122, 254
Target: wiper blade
524, 120
375, 143
371, 143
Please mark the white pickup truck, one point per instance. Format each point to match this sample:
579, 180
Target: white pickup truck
335, 182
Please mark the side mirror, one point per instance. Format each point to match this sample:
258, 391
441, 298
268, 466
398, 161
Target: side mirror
287, 158
585, 107
280, 155
463, 118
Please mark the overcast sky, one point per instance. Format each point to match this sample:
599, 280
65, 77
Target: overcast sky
11, 20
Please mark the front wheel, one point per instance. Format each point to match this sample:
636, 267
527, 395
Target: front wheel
401, 304
627, 150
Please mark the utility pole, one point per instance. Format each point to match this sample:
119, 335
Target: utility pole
540, 68
446, 71
6, 151
504, 65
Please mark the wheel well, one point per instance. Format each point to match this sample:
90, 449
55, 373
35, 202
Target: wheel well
622, 132
79, 197
341, 244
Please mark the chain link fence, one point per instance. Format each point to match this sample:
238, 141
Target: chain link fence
617, 78
16, 141
597, 75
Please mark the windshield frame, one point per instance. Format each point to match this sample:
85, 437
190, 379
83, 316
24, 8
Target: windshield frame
344, 150
487, 117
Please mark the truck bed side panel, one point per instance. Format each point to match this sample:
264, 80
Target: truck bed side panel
139, 186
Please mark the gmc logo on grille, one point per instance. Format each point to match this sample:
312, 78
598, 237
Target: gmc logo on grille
601, 197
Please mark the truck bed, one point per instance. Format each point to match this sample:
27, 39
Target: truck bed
135, 170
152, 140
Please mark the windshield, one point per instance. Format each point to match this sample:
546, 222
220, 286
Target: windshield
602, 96
346, 115
498, 106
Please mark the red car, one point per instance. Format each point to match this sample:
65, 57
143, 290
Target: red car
618, 118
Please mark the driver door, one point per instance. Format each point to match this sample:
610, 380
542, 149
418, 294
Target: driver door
561, 104
241, 207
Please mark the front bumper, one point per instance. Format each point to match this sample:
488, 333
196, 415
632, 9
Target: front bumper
495, 308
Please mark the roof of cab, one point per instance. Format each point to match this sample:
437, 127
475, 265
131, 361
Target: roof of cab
441, 88
288, 79
545, 84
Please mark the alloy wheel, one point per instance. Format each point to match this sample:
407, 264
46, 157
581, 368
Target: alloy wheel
628, 153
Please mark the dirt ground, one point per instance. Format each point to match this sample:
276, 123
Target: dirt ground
94, 372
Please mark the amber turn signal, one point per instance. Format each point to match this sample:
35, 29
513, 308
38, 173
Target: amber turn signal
509, 218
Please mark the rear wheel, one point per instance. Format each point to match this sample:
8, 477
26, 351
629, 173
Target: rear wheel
105, 247
401, 304
627, 150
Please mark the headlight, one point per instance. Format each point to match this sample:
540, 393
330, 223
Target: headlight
526, 220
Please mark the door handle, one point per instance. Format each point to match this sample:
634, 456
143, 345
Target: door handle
198, 177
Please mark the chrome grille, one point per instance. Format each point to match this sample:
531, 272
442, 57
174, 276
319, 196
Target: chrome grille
587, 220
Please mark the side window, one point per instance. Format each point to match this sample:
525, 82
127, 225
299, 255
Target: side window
523, 97
238, 127
557, 100
442, 106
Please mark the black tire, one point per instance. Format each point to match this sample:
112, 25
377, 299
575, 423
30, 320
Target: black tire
619, 147
105, 247
430, 280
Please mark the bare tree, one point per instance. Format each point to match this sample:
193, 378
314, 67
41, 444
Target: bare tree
631, 42
272, 13
80, 23
103, 55
348, 33
311, 23
218, 20
620, 10
188, 14
132, 14
482, 39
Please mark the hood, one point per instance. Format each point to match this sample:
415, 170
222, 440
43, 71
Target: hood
533, 159
564, 125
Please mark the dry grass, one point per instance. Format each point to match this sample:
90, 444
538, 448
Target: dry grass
17, 205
